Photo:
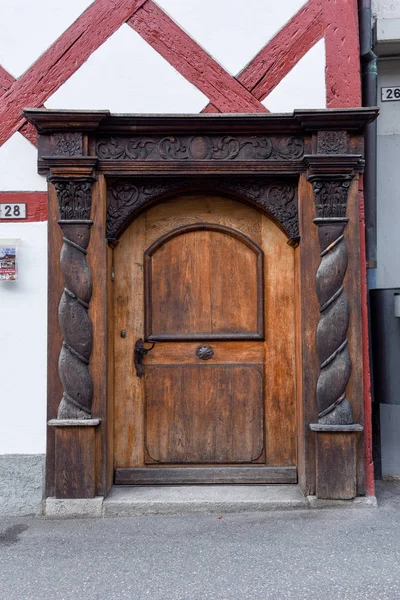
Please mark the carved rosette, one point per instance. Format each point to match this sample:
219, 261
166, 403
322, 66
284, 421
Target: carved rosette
74, 199
332, 142
330, 194
67, 144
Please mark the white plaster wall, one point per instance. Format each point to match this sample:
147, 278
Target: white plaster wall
126, 75
18, 166
28, 27
23, 343
232, 32
298, 89
388, 197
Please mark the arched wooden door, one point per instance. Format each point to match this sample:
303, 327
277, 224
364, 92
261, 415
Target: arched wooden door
206, 286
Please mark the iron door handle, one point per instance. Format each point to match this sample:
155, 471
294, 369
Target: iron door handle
140, 353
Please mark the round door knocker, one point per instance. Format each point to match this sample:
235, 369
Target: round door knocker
204, 352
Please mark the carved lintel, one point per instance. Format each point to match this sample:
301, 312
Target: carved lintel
75, 199
213, 147
277, 198
330, 195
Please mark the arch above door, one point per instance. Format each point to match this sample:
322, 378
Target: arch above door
275, 197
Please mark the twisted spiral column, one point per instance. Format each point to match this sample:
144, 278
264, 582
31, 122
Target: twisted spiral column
74, 198
330, 193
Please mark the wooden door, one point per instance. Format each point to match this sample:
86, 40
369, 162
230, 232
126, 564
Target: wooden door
199, 278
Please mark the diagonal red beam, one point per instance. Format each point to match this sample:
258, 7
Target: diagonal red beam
198, 67
27, 130
6, 80
62, 59
284, 51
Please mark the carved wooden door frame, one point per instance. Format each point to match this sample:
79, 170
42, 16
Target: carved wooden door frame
302, 170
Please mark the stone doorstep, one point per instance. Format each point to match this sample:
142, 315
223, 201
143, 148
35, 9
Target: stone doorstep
128, 501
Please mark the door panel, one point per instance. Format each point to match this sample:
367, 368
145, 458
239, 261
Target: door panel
204, 414
203, 282
237, 407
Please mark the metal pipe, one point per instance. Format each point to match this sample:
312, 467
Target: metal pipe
369, 82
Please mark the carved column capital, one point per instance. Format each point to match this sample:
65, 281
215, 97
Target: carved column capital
330, 194
74, 196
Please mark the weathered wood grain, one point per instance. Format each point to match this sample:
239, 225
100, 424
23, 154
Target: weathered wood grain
75, 462
128, 316
280, 347
204, 475
204, 413
203, 282
54, 337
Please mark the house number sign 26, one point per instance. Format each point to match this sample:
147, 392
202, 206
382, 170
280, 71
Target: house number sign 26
12, 210
390, 94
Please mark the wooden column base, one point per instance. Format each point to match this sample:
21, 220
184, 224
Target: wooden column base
336, 461
74, 457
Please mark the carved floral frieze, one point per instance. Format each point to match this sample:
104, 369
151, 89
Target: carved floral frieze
200, 148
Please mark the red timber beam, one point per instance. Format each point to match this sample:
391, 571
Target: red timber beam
62, 59
27, 130
36, 205
282, 52
343, 81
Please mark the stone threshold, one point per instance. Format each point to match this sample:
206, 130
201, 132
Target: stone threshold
129, 501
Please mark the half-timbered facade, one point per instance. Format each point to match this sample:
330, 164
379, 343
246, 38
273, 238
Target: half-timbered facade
206, 303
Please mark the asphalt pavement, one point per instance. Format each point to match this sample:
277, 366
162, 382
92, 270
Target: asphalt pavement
340, 554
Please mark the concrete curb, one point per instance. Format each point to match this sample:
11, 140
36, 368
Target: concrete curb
359, 502
80, 508
131, 501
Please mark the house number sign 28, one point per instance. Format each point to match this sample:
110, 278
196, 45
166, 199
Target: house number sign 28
12, 210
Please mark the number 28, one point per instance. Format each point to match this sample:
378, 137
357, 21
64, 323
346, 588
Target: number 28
10, 211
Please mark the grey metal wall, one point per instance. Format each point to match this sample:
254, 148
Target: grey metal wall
385, 326
388, 198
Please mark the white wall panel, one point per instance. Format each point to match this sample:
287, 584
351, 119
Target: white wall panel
388, 189
389, 112
126, 75
23, 343
232, 31
18, 166
304, 86
386, 9
28, 27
